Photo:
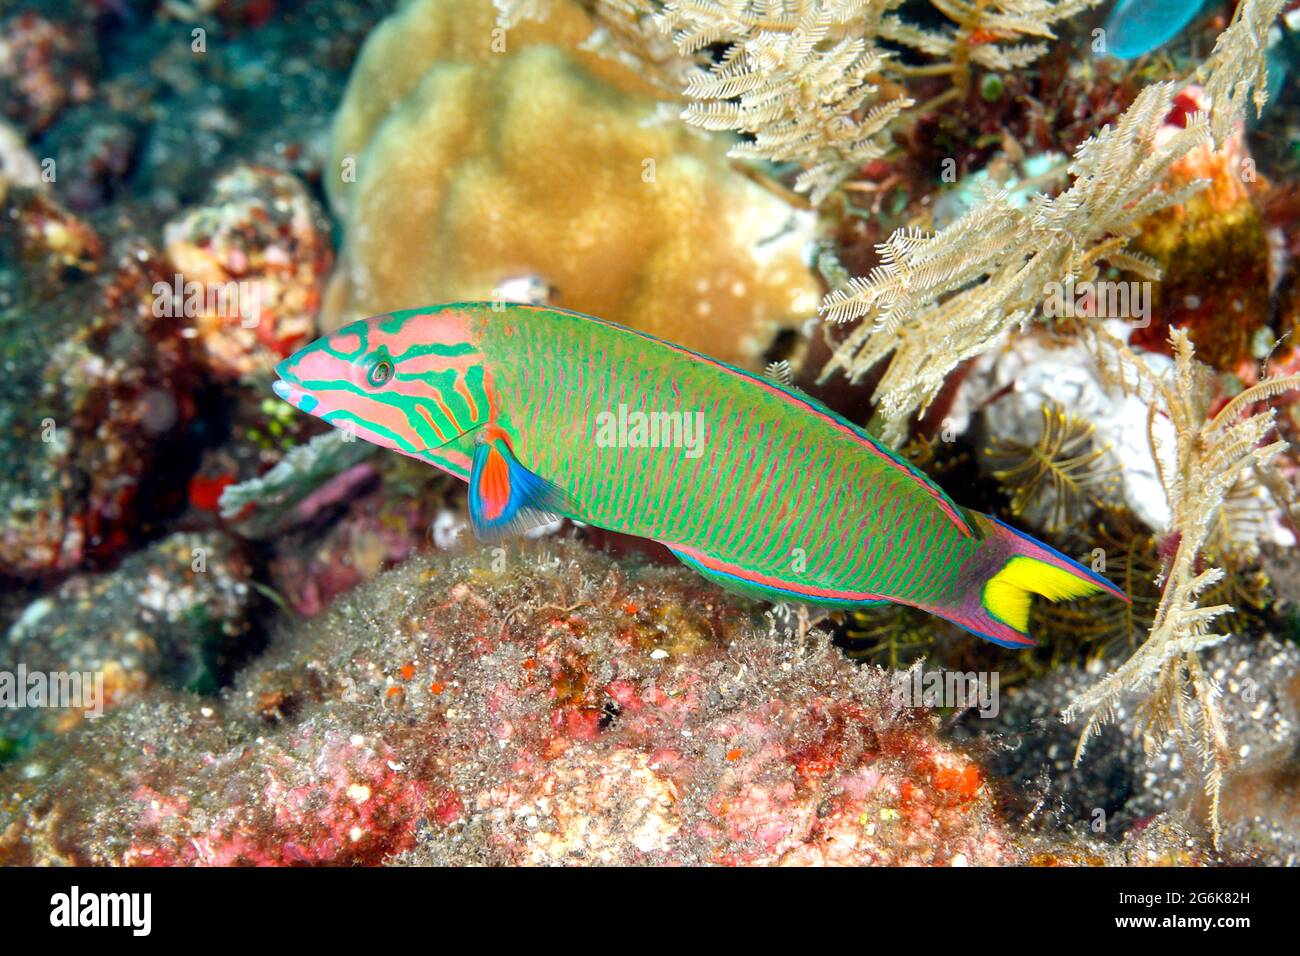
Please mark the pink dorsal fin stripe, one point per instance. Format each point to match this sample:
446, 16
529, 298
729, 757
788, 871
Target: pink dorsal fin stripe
940, 499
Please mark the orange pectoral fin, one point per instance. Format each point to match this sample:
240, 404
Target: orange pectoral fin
494, 484
506, 497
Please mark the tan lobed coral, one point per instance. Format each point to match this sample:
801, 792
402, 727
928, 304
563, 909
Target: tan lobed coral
465, 157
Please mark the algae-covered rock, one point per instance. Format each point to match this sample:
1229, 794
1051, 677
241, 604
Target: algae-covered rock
95, 387
543, 706
173, 614
546, 705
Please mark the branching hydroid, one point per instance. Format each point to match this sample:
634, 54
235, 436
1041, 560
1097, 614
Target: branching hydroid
937, 300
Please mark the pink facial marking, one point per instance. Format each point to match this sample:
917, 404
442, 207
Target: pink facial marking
318, 365
345, 343
422, 329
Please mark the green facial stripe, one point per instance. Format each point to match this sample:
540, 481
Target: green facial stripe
439, 349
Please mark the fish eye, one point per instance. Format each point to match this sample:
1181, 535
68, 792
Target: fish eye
380, 373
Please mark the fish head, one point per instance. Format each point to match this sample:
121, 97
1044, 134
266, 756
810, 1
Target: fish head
411, 381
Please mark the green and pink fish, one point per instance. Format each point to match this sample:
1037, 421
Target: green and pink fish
752, 483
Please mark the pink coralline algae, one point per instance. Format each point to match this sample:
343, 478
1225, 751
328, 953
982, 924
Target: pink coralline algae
333, 796
535, 707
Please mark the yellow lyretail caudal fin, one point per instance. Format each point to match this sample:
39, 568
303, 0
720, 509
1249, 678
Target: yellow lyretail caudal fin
998, 609
1007, 593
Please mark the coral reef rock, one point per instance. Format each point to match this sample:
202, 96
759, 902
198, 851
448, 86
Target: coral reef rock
169, 614
94, 382
534, 707
252, 261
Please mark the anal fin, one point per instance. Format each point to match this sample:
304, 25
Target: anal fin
737, 581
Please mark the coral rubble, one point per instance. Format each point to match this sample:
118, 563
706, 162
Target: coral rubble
251, 263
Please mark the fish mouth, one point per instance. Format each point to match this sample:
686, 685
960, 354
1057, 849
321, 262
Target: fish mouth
285, 390
295, 395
